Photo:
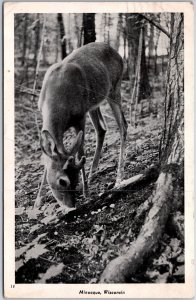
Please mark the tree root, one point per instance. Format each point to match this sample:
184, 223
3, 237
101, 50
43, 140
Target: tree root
121, 269
175, 225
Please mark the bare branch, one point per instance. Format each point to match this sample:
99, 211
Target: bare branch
156, 24
25, 90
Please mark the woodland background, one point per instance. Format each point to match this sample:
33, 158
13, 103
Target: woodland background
134, 234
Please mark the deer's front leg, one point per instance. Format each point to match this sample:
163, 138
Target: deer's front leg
80, 154
85, 183
38, 200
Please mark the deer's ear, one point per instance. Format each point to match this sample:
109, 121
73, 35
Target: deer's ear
48, 144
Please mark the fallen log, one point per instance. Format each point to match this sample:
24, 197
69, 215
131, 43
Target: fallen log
147, 176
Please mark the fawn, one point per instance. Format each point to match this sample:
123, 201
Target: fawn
71, 89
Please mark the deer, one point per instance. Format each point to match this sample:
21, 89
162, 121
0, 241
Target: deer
72, 88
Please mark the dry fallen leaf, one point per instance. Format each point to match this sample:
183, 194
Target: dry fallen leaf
35, 252
35, 227
18, 264
33, 213
53, 271
19, 211
22, 250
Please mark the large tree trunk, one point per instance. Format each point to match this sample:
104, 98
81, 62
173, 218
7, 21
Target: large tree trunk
174, 104
89, 28
168, 193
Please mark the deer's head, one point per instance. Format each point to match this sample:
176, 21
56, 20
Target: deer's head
62, 168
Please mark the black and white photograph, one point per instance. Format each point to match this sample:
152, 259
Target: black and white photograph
100, 144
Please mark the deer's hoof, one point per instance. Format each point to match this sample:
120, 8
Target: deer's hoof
38, 202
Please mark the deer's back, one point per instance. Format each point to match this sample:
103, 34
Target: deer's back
81, 81
97, 61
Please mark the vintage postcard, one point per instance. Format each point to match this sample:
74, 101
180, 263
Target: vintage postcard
98, 150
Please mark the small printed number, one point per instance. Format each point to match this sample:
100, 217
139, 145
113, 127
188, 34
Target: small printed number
12, 286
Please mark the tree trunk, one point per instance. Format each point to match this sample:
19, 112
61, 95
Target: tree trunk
151, 44
155, 56
169, 187
141, 88
57, 42
69, 33
78, 28
24, 40
104, 24
108, 28
119, 31
137, 83
174, 103
124, 44
134, 25
145, 89
133, 33
89, 28
37, 33
62, 36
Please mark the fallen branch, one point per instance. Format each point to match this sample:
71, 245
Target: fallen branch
25, 90
19, 106
147, 176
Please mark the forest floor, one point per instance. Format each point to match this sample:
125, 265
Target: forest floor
77, 249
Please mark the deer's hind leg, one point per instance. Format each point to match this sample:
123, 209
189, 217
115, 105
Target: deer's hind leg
100, 128
114, 100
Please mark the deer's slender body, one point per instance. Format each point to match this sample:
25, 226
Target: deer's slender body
70, 89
